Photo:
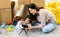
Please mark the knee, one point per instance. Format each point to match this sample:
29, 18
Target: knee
48, 28
45, 30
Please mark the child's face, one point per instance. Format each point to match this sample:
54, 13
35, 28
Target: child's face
27, 20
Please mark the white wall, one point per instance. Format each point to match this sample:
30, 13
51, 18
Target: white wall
47, 1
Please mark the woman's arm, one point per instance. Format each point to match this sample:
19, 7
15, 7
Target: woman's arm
42, 19
35, 27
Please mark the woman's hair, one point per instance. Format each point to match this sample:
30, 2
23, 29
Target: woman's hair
31, 18
33, 6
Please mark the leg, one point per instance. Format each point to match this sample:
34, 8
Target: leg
26, 32
22, 29
19, 26
21, 32
49, 27
35, 26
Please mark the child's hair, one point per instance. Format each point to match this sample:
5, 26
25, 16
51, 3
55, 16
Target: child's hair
27, 17
16, 18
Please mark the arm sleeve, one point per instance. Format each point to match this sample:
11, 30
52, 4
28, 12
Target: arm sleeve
42, 17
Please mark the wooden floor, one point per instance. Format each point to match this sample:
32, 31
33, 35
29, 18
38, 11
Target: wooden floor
14, 33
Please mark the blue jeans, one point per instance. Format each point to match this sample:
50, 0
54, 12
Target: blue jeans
15, 22
48, 28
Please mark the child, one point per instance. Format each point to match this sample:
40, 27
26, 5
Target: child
25, 23
15, 20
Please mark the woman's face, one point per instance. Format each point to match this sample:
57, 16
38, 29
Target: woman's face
32, 11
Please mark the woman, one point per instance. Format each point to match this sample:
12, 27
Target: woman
42, 18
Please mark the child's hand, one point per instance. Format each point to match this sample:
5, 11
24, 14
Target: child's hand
26, 29
29, 26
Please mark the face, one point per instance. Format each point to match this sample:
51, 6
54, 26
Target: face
32, 11
27, 20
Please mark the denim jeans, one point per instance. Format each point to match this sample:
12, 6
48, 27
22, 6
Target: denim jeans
48, 28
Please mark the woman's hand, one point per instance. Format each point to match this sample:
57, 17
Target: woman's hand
29, 27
